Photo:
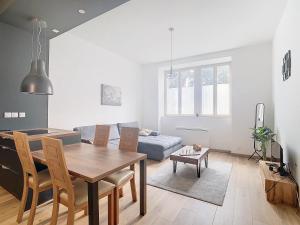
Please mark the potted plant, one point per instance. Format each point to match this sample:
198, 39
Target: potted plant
263, 135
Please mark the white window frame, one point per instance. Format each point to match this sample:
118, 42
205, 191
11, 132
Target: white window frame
198, 91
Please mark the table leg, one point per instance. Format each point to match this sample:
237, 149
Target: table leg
198, 168
174, 166
143, 187
206, 161
93, 204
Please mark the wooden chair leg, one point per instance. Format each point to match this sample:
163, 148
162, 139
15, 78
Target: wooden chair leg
71, 215
55, 208
24, 200
121, 192
85, 211
35, 197
133, 189
111, 209
116, 205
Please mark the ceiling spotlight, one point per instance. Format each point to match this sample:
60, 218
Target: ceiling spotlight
81, 11
55, 30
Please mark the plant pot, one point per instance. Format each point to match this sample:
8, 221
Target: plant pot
264, 151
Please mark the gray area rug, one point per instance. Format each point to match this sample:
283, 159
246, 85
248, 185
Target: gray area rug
210, 187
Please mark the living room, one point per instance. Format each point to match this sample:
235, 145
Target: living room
194, 78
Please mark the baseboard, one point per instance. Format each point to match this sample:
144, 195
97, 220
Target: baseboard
219, 150
242, 155
233, 153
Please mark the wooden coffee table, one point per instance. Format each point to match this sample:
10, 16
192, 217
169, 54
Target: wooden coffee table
188, 155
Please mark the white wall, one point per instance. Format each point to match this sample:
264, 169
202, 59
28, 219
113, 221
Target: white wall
251, 83
77, 69
287, 93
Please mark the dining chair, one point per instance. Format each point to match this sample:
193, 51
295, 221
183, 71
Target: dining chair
73, 195
101, 135
128, 142
37, 181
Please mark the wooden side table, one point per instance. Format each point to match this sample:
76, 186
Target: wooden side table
278, 189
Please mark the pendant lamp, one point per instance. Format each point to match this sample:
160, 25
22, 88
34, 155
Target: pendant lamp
37, 81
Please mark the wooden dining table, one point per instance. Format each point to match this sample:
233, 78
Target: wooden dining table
92, 164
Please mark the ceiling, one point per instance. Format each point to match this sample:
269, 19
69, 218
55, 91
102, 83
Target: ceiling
62, 15
138, 29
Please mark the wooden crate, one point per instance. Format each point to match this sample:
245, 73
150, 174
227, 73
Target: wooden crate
278, 189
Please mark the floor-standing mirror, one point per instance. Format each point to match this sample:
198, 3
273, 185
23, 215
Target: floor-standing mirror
259, 122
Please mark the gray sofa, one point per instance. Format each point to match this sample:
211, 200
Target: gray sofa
156, 147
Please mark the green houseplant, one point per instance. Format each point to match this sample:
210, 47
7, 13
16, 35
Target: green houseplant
263, 135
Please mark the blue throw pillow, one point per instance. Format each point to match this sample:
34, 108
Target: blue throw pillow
155, 133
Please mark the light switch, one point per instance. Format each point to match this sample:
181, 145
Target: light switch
22, 114
14, 114
7, 115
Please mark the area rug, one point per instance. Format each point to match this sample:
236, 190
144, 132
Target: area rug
210, 187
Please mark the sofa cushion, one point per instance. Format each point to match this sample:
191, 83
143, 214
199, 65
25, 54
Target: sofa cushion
156, 147
153, 143
158, 143
87, 132
159, 147
145, 132
114, 132
113, 144
155, 133
134, 124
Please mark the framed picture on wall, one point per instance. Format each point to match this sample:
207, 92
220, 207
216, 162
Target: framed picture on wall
111, 95
286, 67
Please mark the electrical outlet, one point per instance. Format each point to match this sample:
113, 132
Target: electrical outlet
7, 115
14, 115
22, 114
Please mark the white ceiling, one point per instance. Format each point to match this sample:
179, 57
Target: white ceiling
138, 29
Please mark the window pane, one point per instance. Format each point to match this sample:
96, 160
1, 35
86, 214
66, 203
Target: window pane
207, 77
187, 92
172, 94
223, 92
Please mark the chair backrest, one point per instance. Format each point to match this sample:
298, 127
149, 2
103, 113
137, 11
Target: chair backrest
129, 139
23, 150
53, 150
101, 135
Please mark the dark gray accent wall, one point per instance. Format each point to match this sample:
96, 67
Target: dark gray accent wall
15, 58
59, 14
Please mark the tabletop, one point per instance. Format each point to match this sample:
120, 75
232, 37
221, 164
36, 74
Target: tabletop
93, 163
37, 133
189, 152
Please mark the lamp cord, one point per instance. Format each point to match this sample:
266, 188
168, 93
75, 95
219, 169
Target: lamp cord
171, 70
38, 40
32, 36
171, 29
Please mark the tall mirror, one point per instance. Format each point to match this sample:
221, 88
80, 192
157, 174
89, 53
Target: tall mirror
259, 115
259, 122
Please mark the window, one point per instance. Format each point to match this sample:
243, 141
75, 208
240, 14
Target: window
187, 92
207, 80
223, 92
172, 94
203, 90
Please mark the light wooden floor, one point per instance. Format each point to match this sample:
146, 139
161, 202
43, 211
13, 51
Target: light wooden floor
244, 204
